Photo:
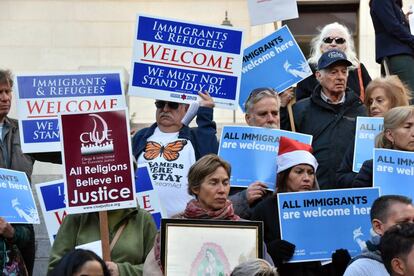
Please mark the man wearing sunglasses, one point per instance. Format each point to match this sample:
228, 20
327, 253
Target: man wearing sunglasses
329, 115
171, 147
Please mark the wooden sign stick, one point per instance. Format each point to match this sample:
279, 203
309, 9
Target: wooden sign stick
103, 226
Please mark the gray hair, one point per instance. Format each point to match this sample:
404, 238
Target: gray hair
255, 267
6, 77
317, 42
393, 118
259, 93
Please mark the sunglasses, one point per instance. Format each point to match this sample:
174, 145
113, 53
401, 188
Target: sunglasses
162, 104
338, 40
7, 91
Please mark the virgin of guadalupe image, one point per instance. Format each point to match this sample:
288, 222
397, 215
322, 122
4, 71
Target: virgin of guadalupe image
210, 261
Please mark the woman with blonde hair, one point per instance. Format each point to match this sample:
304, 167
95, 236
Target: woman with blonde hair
334, 36
385, 93
398, 134
381, 95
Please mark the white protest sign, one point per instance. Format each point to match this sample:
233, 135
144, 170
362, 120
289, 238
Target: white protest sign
40, 97
173, 60
262, 12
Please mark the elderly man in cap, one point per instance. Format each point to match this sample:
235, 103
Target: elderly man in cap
329, 115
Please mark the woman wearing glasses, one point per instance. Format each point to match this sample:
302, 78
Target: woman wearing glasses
334, 36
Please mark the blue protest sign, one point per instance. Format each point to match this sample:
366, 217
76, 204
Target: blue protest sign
275, 61
366, 130
174, 60
40, 97
147, 197
16, 199
319, 222
393, 172
252, 153
52, 202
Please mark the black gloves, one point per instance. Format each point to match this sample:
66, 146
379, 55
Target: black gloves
340, 260
281, 251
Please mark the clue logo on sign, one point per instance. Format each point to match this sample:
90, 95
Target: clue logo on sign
97, 141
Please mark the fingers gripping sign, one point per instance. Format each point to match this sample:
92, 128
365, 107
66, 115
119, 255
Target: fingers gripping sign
206, 99
255, 191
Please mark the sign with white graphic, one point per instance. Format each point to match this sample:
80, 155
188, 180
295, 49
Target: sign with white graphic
17, 204
97, 159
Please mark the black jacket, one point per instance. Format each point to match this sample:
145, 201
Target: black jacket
392, 31
305, 88
364, 177
345, 175
267, 211
333, 129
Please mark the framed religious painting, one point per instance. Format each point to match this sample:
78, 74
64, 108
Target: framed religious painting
208, 247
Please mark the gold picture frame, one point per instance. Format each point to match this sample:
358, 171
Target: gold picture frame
209, 247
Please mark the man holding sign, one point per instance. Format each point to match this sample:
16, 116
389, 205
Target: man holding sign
170, 148
262, 110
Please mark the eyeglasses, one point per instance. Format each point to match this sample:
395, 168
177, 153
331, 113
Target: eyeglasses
162, 104
338, 40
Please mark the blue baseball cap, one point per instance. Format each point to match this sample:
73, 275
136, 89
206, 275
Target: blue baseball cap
332, 56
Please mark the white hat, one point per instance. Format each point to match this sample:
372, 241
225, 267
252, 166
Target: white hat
292, 153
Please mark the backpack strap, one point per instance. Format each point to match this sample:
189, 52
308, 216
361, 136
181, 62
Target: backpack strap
361, 84
117, 235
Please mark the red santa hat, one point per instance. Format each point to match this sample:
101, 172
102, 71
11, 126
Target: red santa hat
292, 153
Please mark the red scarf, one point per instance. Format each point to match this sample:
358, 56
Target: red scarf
195, 211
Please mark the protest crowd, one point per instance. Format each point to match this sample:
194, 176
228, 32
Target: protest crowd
330, 194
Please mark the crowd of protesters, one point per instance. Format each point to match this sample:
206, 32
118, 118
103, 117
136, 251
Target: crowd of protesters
327, 104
